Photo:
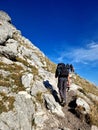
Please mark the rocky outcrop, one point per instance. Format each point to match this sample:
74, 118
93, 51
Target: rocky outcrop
29, 97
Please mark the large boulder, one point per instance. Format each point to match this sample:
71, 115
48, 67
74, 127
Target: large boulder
4, 16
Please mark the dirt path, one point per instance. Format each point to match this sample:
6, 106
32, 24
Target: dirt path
70, 120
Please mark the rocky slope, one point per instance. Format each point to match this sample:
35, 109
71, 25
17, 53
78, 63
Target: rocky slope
29, 98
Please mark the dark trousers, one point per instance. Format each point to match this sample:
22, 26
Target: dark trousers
62, 85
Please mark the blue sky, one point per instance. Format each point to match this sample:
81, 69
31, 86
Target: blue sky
65, 30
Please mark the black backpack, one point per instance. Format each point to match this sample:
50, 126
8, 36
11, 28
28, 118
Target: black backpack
61, 71
71, 68
67, 66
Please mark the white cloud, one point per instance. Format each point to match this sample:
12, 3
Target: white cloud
84, 55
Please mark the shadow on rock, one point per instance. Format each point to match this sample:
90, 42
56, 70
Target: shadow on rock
72, 104
53, 91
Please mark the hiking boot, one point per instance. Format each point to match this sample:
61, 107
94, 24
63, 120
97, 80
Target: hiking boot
61, 100
63, 103
67, 89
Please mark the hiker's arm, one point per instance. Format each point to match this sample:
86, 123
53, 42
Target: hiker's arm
68, 80
56, 74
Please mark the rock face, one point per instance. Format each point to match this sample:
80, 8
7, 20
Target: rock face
29, 98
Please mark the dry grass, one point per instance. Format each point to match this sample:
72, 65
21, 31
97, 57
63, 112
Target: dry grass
24, 62
39, 97
6, 99
34, 70
16, 72
94, 113
2, 107
50, 66
89, 88
11, 68
4, 81
17, 82
14, 79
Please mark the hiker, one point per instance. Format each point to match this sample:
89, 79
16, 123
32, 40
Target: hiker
68, 67
71, 68
62, 74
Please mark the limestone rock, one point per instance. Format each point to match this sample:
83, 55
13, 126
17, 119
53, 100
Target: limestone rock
94, 127
27, 79
82, 103
4, 16
53, 106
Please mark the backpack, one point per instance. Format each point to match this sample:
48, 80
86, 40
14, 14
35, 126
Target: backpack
71, 68
68, 66
61, 70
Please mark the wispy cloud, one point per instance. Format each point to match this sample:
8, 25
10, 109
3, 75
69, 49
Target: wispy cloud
84, 55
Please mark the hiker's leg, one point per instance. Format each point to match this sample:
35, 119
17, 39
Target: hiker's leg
63, 103
64, 89
60, 86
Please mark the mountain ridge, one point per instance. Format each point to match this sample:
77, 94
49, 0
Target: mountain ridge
28, 88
